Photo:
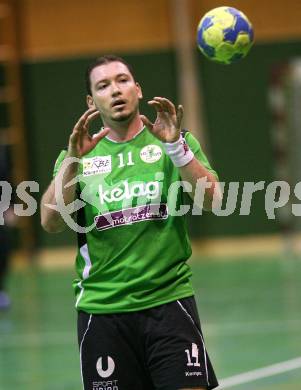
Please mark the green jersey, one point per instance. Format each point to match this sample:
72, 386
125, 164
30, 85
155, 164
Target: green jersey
134, 255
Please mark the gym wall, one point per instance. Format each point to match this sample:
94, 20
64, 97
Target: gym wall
59, 38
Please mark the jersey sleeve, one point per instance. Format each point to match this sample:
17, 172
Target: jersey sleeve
59, 161
195, 146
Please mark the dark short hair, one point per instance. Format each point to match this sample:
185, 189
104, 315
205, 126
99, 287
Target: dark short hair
105, 59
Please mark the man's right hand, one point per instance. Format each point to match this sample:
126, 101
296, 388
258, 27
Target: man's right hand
80, 141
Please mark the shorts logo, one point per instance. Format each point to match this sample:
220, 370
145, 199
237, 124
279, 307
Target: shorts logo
151, 153
193, 355
97, 165
105, 373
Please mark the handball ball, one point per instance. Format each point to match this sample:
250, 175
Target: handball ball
225, 35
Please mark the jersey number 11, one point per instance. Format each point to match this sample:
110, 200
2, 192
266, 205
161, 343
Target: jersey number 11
122, 162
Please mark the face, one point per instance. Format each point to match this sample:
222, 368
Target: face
114, 92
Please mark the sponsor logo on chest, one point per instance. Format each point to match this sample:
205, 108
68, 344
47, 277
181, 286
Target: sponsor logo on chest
150, 153
126, 190
97, 165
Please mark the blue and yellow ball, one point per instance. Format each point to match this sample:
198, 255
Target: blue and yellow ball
225, 35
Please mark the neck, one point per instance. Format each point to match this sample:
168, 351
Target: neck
123, 131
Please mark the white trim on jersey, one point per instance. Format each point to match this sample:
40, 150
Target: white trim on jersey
204, 348
85, 254
120, 142
80, 350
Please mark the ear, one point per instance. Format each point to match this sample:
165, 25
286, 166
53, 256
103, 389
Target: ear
90, 101
140, 95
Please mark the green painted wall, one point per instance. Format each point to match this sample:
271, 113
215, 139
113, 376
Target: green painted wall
236, 107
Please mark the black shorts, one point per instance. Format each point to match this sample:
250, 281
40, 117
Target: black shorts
161, 348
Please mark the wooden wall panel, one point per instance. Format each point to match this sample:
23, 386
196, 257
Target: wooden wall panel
57, 28
77, 27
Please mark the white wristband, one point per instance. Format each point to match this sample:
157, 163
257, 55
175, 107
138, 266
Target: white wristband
179, 152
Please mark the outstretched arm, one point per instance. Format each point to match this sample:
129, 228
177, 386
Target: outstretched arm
80, 143
167, 128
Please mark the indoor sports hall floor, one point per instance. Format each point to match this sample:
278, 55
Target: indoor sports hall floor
250, 310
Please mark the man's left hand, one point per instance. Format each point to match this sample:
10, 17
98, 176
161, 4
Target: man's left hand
167, 126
